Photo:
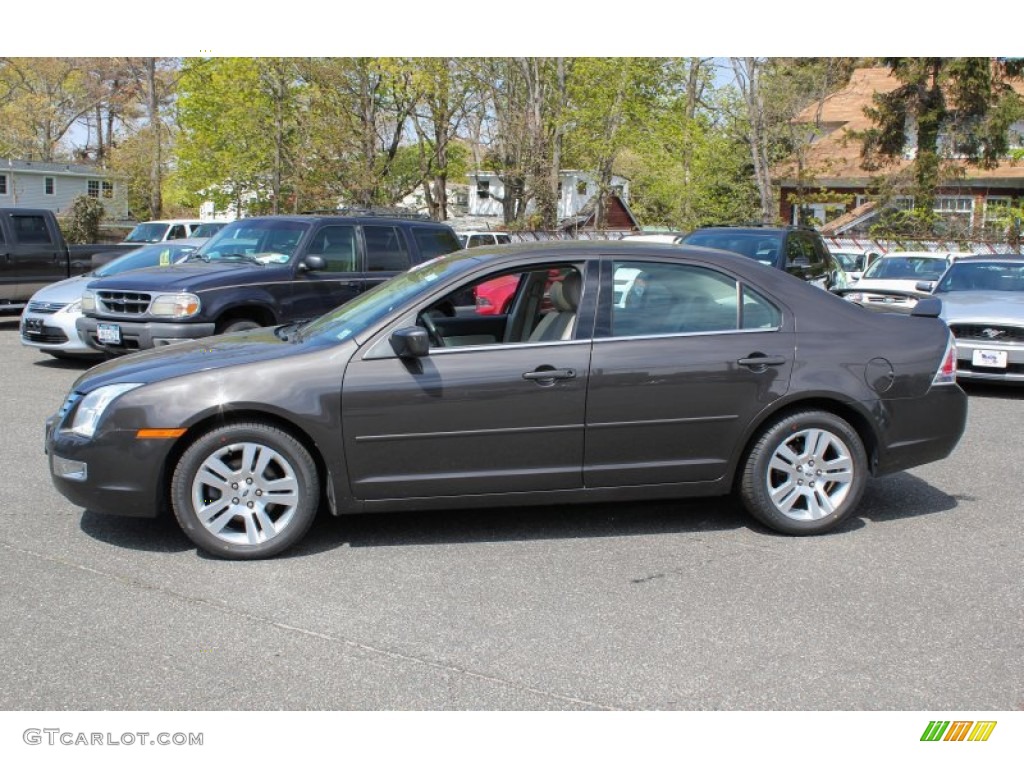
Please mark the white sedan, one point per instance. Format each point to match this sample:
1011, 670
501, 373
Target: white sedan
897, 281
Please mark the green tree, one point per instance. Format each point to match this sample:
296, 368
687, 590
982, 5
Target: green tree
951, 109
237, 124
40, 99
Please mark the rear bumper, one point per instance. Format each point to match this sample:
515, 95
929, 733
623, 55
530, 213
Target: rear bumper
921, 430
135, 336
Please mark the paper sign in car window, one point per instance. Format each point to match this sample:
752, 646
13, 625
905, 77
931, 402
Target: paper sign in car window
165, 257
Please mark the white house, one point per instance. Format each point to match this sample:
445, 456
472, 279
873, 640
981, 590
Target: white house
54, 186
575, 190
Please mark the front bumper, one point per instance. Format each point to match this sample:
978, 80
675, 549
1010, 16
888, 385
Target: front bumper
112, 474
56, 332
146, 335
970, 367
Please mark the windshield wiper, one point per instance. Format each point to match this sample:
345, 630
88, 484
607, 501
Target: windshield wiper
194, 256
288, 331
241, 257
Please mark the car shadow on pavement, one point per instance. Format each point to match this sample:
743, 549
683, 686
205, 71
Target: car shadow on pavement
575, 521
67, 363
160, 534
886, 499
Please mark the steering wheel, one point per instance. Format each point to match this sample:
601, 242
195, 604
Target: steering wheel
436, 339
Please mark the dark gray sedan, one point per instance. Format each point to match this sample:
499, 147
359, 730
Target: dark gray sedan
715, 374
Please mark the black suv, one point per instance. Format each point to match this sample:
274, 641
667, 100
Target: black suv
800, 251
261, 271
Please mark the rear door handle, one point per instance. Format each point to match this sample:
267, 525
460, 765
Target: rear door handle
760, 361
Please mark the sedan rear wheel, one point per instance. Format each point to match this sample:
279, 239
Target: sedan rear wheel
245, 491
805, 474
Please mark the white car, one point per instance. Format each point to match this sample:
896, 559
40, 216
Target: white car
657, 237
48, 322
161, 230
855, 262
474, 239
896, 281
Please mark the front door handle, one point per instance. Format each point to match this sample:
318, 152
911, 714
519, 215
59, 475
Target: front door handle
761, 361
550, 374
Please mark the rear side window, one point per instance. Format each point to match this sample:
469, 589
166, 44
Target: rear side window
758, 312
30, 229
654, 299
435, 241
385, 249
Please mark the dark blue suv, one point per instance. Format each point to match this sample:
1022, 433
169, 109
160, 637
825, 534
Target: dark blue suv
255, 272
800, 251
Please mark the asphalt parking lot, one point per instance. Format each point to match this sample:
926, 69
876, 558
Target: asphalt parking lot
915, 604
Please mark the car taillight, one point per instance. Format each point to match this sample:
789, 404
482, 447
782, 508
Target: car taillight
947, 371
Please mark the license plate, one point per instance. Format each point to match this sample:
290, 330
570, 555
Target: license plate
989, 358
108, 334
33, 326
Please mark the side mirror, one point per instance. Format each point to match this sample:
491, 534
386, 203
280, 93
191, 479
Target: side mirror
410, 342
314, 263
930, 307
925, 286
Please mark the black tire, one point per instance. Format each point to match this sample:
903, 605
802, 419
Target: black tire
241, 324
236, 469
805, 474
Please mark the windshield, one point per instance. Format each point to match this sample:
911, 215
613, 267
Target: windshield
150, 232
851, 262
982, 276
162, 254
755, 245
209, 229
357, 315
259, 241
906, 268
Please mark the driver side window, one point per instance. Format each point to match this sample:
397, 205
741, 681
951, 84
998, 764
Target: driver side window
337, 245
537, 305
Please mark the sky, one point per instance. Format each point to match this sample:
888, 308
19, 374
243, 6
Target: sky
513, 27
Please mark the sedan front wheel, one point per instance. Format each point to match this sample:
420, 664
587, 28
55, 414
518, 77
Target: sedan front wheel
245, 491
805, 474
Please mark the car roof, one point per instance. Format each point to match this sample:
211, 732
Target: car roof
921, 254
342, 217
751, 228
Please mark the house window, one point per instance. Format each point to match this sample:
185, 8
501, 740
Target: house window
48, 185
108, 190
94, 188
3, 183
957, 211
997, 215
483, 189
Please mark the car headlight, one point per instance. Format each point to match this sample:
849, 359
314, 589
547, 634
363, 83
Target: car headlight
92, 406
73, 307
88, 301
175, 305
